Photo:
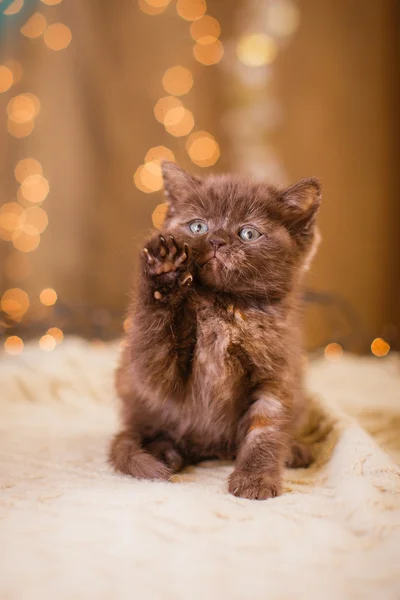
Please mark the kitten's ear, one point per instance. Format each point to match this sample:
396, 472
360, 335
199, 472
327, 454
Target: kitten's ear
300, 201
177, 183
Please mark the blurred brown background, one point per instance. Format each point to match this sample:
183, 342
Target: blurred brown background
286, 90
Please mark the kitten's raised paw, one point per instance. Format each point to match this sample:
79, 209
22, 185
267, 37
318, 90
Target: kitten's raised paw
254, 486
165, 255
167, 264
300, 456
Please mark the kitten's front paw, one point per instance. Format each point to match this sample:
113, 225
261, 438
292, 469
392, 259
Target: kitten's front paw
254, 486
167, 264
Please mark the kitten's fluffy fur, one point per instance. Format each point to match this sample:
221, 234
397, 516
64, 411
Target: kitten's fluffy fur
212, 364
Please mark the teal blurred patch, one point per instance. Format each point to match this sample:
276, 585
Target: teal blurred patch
11, 23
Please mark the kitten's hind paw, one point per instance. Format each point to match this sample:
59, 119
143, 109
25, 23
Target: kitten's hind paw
165, 451
300, 456
127, 457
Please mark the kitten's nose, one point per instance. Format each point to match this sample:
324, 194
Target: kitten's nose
217, 242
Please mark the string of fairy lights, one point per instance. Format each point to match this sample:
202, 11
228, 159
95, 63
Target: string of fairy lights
264, 29
24, 220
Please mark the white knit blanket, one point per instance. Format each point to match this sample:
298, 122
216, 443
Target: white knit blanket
71, 529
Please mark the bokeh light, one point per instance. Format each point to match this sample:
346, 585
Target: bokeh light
10, 219
174, 116
26, 167
159, 214
177, 81
35, 26
13, 345
148, 177
191, 10
179, 121
15, 68
47, 343
14, 7
164, 105
209, 54
380, 347
57, 36
36, 102
48, 297
36, 218
159, 153
17, 266
139, 178
153, 7
51, 2
6, 78
256, 49
282, 18
333, 352
56, 333
35, 188
206, 30
26, 239
15, 303
20, 130
23, 108
202, 148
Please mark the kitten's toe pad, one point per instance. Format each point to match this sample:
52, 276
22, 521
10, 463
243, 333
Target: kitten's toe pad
254, 486
163, 255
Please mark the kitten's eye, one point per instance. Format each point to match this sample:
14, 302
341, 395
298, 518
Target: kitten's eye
198, 227
249, 234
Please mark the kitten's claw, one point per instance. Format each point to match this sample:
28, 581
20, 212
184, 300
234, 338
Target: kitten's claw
186, 279
172, 247
181, 259
150, 259
163, 247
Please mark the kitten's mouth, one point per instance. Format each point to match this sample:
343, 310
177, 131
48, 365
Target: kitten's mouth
212, 259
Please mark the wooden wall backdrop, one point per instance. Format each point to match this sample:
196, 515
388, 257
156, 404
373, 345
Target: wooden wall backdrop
339, 83
336, 82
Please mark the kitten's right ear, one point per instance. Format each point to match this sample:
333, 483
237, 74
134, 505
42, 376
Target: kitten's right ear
300, 203
177, 183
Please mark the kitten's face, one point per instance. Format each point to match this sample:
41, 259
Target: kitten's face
246, 238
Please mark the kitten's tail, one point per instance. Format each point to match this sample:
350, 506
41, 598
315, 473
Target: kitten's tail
129, 458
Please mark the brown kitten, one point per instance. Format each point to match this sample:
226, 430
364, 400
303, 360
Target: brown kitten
211, 366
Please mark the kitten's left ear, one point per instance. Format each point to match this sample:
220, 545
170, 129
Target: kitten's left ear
300, 201
177, 183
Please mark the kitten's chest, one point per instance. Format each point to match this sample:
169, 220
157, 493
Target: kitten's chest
222, 348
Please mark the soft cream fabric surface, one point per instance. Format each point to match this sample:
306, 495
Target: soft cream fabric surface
72, 529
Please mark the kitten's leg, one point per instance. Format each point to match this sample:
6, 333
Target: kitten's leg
164, 327
128, 457
263, 447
